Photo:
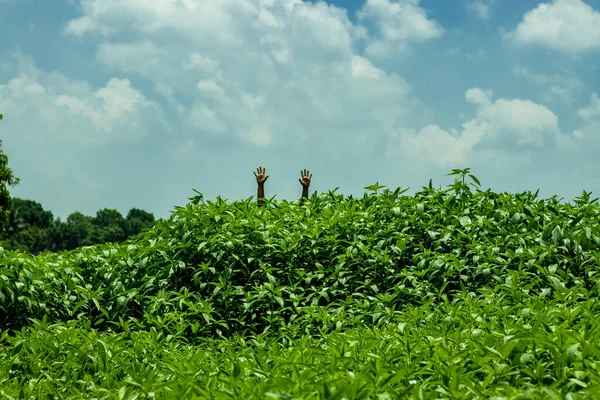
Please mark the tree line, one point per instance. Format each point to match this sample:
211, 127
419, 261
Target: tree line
32, 229
26, 226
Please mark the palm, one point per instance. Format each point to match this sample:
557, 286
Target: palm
306, 176
260, 175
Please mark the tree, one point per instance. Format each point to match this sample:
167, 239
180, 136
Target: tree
28, 226
79, 231
58, 236
138, 220
110, 226
6, 179
29, 213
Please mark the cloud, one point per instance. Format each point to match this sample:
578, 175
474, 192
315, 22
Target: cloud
211, 89
478, 96
73, 111
362, 68
480, 8
557, 87
264, 73
116, 55
398, 24
288, 75
433, 145
569, 26
528, 123
590, 116
592, 111
513, 122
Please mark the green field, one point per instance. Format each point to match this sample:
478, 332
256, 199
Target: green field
455, 293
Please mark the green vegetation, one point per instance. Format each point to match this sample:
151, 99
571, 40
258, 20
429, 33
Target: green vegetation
32, 229
448, 294
7, 179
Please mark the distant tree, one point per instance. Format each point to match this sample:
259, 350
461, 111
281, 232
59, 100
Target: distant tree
138, 220
110, 225
6, 179
28, 226
58, 236
79, 231
26, 213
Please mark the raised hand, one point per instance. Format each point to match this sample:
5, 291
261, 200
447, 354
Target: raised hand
261, 178
305, 181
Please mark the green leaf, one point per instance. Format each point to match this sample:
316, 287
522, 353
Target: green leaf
475, 179
465, 220
557, 235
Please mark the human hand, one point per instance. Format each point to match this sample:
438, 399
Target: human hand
305, 181
261, 178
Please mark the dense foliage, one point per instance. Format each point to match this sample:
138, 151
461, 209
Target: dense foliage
7, 178
32, 229
455, 293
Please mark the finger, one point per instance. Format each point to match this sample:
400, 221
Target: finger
266, 177
254, 174
310, 176
300, 180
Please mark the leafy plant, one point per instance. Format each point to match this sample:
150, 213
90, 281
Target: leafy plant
452, 294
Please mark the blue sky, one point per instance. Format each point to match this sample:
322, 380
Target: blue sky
133, 104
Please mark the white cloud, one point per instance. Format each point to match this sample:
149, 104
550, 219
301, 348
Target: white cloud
266, 72
590, 116
116, 55
592, 111
528, 122
399, 23
478, 96
74, 112
481, 8
557, 87
433, 145
258, 136
518, 122
211, 88
362, 68
569, 26
168, 93
80, 26
203, 63
202, 117
302, 81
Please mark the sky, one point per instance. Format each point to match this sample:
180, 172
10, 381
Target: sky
134, 104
